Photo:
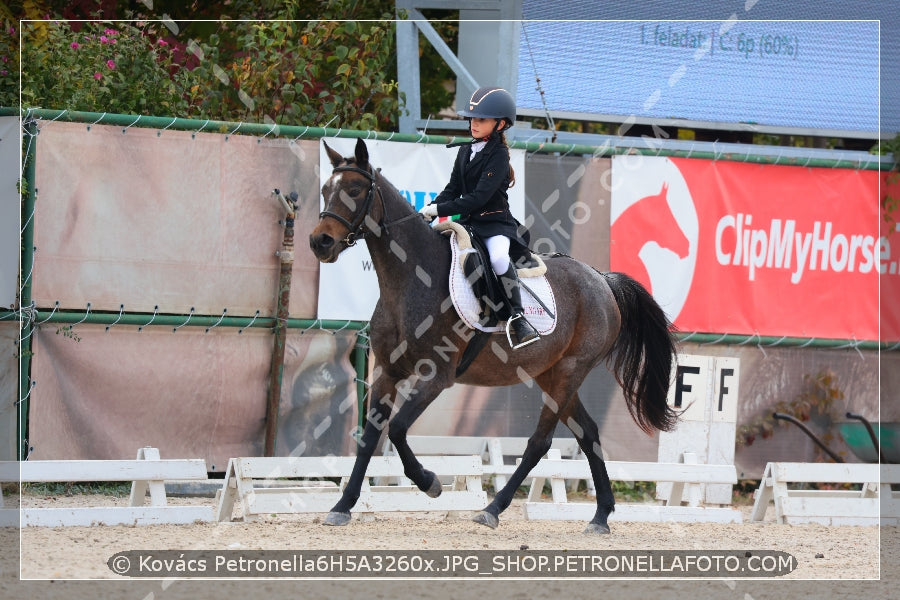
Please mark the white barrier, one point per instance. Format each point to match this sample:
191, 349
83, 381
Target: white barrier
294, 494
829, 507
147, 473
492, 450
685, 477
890, 495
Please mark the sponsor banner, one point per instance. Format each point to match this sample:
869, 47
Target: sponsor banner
742, 248
348, 289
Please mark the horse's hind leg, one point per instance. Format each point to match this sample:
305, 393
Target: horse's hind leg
588, 436
538, 445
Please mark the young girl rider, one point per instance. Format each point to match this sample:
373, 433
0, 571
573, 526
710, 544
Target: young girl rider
477, 192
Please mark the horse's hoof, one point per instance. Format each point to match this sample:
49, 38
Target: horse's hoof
435, 489
596, 529
486, 518
336, 519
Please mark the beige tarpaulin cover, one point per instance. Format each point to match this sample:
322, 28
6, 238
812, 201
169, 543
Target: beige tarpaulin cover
9, 372
169, 219
103, 394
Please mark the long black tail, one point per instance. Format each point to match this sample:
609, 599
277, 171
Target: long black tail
644, 351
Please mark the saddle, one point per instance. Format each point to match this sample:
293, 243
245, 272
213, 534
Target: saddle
477, 293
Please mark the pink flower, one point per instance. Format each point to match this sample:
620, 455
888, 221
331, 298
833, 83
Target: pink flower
110, 32
75, 45
163, 43
98, 75
110, 64
104, 39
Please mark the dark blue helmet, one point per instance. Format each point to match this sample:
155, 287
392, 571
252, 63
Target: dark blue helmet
491, 103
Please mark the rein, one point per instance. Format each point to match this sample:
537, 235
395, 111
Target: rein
356, 227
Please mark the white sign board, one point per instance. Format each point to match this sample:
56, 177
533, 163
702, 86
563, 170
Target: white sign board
706, 389
348, 289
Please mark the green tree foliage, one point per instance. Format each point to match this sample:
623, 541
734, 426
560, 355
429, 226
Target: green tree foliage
298, 62
890, 200
282, 61
108, 67
312, 72
9, 63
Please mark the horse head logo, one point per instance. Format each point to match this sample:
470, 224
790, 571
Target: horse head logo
654, 231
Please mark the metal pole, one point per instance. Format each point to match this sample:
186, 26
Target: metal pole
146, 319
286, 254
360, 363
25, 279
705, 149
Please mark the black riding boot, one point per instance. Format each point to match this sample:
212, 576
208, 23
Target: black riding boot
522, 331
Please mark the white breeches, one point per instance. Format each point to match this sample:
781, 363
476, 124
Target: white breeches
498, 248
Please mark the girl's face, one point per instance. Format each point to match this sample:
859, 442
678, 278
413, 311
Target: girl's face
482, 128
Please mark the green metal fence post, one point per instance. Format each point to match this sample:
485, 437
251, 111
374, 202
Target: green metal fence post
26, 277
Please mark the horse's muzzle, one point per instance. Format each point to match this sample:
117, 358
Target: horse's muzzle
323, 246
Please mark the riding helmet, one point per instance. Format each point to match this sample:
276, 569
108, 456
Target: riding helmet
491, 103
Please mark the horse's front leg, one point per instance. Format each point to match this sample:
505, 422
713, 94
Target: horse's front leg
415, 401
376, 420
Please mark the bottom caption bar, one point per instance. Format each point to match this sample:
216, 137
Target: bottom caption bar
450, 563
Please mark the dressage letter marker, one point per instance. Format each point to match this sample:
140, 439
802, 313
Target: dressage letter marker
706, 389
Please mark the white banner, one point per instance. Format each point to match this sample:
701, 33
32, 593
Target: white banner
348, 289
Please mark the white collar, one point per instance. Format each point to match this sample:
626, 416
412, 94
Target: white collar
477, 147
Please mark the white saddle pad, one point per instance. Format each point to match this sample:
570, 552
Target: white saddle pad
468, 307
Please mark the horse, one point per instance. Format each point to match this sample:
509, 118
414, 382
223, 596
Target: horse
417, 339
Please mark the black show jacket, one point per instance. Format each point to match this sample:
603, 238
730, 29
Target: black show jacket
477, 192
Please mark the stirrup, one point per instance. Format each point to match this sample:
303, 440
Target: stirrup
521, 344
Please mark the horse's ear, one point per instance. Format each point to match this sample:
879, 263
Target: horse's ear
361, 152
333, 156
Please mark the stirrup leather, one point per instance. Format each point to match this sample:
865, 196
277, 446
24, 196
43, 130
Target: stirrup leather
521, 344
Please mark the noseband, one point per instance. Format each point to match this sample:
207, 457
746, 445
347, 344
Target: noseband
355, 228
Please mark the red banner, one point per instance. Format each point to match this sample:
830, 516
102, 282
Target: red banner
740, 248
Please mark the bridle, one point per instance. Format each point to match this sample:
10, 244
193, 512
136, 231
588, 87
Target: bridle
355, 229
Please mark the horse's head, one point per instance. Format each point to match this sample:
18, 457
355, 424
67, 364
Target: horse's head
350, 205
